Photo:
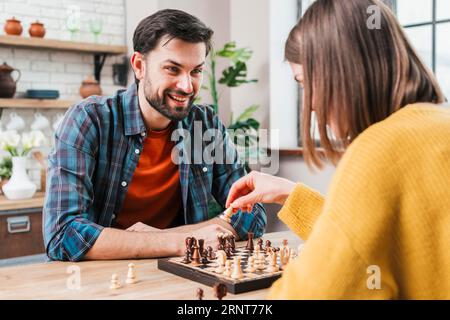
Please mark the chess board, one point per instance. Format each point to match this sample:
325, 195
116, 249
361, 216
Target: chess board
206, 274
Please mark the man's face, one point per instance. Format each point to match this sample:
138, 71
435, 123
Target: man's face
173, 76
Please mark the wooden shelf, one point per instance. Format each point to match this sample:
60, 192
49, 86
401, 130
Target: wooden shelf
42, 43
36, 103
36, 202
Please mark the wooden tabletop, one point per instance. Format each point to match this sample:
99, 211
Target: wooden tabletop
50, 280
36, 202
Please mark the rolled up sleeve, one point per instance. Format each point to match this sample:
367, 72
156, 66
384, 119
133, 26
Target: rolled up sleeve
69, 226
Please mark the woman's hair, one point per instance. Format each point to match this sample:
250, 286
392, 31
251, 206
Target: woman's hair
355, 74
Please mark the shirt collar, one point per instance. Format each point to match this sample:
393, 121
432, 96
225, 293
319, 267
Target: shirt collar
133, 122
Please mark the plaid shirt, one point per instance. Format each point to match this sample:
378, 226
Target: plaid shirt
96, 151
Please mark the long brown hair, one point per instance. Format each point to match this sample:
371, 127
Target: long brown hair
352, 73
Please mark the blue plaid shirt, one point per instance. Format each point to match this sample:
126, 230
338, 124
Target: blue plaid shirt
97, 148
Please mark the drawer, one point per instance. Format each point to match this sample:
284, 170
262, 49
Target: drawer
21, 233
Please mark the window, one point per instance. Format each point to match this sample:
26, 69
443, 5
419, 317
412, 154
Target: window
427, 24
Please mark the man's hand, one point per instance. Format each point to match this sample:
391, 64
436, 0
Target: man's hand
142, 227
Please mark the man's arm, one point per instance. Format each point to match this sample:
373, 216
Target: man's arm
124, 244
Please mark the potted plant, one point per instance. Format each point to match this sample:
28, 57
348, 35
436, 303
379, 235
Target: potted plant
18, 146
243, 129
5, 171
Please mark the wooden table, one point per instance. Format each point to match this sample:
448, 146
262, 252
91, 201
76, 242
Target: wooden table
49, 280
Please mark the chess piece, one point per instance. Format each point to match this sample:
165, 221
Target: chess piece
237, 269
211, 255
187, 258
205, 260
251, 265
201, 243
227, 272
195, 256
260, 244
249, 245
228, 250
268, 246
231, 240
227, 214
221, 260
200, 294
273, 262
220, 291
115, 283
131, 276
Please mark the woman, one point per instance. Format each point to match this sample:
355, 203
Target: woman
384, 230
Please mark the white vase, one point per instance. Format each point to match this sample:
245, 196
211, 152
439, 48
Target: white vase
19, 185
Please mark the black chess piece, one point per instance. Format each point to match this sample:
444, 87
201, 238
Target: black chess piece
201, 243
260, 244
187, 258
220, 291
211, 255
268, 246
200, 294
231, 239
249, 245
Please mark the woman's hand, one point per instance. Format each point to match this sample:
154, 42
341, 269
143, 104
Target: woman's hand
258, 187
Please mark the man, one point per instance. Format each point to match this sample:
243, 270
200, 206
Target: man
114, 191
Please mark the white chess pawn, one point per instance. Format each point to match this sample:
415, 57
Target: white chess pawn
115, 284
251, 266
227, 271
237, 269
131, 276
273, 262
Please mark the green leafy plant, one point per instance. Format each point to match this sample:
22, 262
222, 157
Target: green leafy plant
243, 128
6, 168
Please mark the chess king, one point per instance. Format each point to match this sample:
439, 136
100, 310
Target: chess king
114, 189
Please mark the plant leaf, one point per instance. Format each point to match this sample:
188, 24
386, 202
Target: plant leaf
236, 75
247, 113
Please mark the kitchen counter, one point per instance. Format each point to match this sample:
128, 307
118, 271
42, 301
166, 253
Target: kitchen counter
50, 280
8, 205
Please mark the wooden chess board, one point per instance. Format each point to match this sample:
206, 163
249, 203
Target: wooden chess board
206, 274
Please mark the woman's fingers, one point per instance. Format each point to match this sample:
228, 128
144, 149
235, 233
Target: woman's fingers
245, 202
238, 189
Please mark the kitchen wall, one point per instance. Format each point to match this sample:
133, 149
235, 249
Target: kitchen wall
58, 70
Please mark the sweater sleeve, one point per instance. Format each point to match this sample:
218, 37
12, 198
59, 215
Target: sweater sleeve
301, 210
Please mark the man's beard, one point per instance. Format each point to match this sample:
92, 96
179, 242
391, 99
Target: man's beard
160, 103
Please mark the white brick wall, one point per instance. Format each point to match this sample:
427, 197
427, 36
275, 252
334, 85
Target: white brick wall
58, 70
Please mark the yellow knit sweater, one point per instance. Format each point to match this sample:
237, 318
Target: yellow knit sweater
386, 217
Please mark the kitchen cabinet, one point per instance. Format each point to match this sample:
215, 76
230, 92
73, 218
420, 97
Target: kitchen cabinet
21, 227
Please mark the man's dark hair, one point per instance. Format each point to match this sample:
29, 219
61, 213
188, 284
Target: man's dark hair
173, 23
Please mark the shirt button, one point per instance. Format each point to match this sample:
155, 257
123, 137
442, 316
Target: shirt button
205, 169
137, 151
124, 183
113, 216
142, 134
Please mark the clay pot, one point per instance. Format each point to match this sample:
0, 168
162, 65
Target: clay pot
7, 83
37, 30
13, 27
90, 87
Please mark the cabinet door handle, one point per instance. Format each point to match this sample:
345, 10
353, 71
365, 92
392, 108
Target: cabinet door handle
18, 224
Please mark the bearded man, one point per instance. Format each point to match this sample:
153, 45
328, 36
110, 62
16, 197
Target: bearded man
120, 185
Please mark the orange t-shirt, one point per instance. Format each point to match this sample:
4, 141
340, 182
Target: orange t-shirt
154, 193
